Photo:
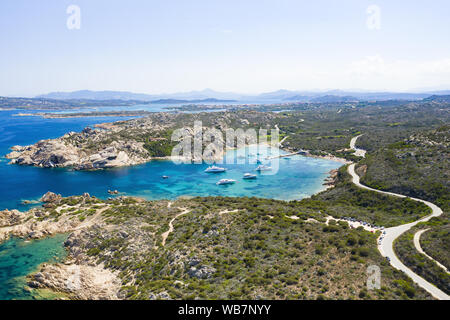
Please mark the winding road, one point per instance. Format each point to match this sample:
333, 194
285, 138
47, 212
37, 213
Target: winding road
419, 248
386, 246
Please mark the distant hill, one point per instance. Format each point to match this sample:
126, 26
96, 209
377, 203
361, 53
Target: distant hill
267, 97
436, 98
381, 96
175, 101
298, 98
322, 98
277, 95
334, 99
124, 95
98, 95
340, 96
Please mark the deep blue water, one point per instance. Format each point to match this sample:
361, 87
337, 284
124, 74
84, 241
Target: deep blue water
296, 178
19, 183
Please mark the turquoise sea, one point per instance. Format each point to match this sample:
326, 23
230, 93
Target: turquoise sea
18, 258
297, 178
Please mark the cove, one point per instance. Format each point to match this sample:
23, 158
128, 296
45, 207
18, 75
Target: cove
18, 258
297, 177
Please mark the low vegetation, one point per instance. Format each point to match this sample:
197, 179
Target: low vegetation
436, 248
347, 200
417, 166
235, 248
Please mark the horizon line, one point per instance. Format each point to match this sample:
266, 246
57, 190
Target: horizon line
354, 90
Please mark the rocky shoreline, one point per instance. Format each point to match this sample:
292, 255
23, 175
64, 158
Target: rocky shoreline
40, 222
331, 180
131, 142
108, 145
78, 280
58, 153
78, 277
64, 152
81, 276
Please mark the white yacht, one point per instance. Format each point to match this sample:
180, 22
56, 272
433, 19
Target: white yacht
214, 169
249, 176
225, 181
263, 168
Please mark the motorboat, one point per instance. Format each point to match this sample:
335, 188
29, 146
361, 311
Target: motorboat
225, 181
214, 169
263, 168
249, 176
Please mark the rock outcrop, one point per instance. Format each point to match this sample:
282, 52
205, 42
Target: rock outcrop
51, 197
9, 218
40, 222
79, 151
82, 282
361, 170
330, 181
201, 272
79, 277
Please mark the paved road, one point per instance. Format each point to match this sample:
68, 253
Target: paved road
386, 247
419, 248
358, 152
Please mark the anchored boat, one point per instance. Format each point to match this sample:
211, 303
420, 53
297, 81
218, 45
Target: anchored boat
263, 168
249, 176
225, 181
214, 169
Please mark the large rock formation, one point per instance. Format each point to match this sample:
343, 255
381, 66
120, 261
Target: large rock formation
50, 197
82, 282
81, 151
9, 218
132, 142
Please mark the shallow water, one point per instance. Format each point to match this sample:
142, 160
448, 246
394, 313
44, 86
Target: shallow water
18, 258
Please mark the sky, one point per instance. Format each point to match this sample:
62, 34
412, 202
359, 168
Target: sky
245, 46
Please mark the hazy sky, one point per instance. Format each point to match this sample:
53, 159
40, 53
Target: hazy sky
244, 46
